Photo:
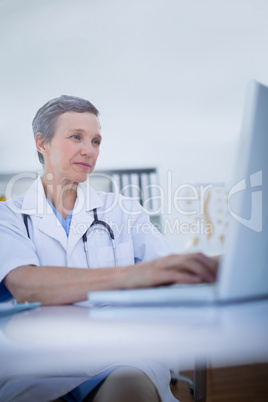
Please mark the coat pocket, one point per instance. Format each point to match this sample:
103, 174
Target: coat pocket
123, 255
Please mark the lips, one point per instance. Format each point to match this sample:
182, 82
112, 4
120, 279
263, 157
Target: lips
83, 165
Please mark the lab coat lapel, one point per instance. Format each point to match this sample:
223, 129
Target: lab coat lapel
34, 201
82, 218
35, 204
50, 225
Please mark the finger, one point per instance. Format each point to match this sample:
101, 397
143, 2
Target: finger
174, 277
195, 268
208, 263
183, 260
194, 264
188, 265
186, 278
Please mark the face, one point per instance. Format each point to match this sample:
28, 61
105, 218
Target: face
73, 151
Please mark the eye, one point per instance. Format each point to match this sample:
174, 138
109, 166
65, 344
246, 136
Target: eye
76, 137
97, 142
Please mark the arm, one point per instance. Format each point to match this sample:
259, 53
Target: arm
61, 285
57, 285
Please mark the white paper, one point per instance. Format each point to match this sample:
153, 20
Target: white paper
12, 307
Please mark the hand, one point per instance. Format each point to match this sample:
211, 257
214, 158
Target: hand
178, 268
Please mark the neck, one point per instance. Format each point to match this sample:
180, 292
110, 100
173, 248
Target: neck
61, 194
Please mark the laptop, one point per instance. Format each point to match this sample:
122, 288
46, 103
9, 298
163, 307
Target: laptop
243, 271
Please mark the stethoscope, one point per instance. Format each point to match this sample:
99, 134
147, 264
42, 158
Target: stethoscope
105, 227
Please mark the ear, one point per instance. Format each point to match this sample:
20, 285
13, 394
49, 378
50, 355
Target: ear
40, 144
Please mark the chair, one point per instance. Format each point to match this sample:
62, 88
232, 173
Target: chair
198, 386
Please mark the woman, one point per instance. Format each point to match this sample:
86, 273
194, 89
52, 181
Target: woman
45, 252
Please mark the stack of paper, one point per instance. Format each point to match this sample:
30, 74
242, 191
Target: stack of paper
12, 307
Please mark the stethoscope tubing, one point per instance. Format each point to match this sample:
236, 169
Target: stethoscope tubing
107, 228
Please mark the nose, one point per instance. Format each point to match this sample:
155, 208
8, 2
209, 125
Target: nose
87, 149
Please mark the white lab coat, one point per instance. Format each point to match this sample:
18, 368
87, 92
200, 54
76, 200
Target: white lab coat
135, 238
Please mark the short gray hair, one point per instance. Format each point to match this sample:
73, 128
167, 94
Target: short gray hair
46, 118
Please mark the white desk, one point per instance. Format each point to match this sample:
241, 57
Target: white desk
66, 340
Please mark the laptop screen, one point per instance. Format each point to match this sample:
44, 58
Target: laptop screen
244, 271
